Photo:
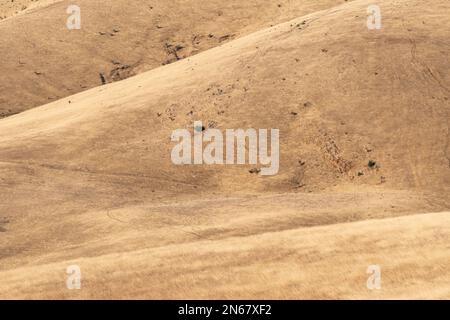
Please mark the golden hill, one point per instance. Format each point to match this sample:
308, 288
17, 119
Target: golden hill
325, 262
88, 179
43, 61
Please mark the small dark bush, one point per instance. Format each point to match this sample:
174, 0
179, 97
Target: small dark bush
372, 164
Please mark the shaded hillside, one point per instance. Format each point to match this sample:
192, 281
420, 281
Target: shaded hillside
43, 61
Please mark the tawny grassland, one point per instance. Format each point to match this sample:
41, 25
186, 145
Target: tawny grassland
86, 176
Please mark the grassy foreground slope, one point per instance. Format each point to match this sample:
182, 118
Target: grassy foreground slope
327, 262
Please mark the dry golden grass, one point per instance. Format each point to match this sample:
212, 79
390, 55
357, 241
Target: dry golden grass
9, 8
88, 179
325, 262
43, 61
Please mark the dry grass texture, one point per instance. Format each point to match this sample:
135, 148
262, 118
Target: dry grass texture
87, 178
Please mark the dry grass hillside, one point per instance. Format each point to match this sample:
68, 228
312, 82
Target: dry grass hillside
43, 61
283, 265
9, 8
364, 161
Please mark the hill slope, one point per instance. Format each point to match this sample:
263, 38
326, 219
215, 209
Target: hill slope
89, 179
319, 263
9, 8
340, 100
43, 61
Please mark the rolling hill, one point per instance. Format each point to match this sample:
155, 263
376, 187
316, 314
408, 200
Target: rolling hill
364, 173
43, 61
